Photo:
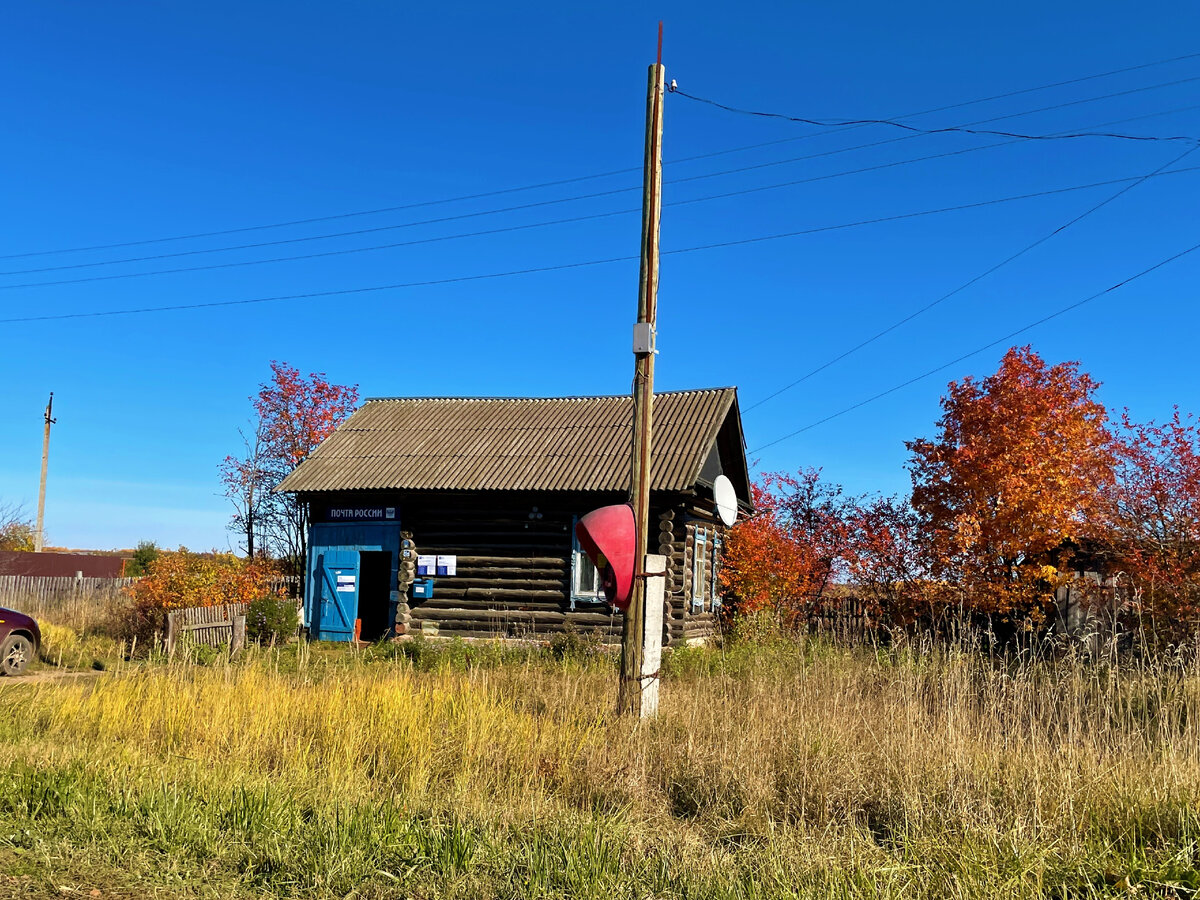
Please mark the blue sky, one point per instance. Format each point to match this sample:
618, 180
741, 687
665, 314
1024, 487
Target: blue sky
137, 121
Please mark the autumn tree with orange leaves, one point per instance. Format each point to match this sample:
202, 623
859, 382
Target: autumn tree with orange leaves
1016, 470
294, 414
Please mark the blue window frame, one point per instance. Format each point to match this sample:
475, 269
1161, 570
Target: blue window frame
715, 587
699, 567
585, 583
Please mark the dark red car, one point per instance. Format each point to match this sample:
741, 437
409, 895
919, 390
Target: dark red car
19, 641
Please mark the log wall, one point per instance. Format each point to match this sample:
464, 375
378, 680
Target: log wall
513, 576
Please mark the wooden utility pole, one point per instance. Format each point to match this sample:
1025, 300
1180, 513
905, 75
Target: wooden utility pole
39, 538
629, 696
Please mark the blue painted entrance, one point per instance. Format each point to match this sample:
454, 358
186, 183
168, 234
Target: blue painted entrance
341, 588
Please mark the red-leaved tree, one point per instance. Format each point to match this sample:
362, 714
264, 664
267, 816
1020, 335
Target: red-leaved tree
294, 414
887, 563
783, 558
1149, 519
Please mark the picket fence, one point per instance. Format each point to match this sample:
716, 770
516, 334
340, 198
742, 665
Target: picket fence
64, 599
212, 626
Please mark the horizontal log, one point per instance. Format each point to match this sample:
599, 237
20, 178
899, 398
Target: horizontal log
427, 538
466, 545
482, 606
502, 571
594, 619
457, 581
489, 616
474, 559
540, 636
475, 593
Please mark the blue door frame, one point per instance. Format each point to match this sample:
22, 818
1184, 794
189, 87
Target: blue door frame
331, 588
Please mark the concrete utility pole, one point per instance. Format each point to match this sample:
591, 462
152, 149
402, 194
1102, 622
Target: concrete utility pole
633, 675
39, 538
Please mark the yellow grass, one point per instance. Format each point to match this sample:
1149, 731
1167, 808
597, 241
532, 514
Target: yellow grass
773, 770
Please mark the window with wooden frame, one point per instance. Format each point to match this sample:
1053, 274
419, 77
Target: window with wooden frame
700, 558
715, 568
585, 581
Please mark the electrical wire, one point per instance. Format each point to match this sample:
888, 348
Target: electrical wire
324, 253
97, 314
574, 180
924, 212
937, 109
543, 203
909, 137
902, 162
583, 264
988, 346
967, 284
770, 237
895, 123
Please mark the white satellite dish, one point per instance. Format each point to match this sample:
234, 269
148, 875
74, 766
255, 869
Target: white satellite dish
726, 500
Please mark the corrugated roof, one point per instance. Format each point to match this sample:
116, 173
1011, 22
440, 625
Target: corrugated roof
512, 444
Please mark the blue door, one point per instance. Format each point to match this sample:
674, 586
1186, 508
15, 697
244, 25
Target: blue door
337, 595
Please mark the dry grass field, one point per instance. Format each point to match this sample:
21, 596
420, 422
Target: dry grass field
775, 770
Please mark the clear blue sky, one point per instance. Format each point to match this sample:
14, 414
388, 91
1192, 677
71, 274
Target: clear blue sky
133, 121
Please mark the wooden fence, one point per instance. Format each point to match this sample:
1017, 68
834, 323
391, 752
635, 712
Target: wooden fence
212, 626
845, 619
66, 599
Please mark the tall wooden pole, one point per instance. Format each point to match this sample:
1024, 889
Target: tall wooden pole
39, 537
629, 696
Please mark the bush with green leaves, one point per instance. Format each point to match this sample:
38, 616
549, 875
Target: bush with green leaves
271, 619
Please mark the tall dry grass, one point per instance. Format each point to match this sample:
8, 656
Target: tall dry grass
773, 770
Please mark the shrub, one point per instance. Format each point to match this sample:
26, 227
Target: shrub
181, 579
271, 619
571, 643
143, 556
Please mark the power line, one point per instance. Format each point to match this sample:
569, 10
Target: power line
577, 179
322, 254
321, 237
313, 294
967, 284
583, 264
937, 109
925, 212
909, 137
988, 346
895, 123
480, 213
903, 162
759, 239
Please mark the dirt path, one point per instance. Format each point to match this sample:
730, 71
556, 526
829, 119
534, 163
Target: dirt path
43, 675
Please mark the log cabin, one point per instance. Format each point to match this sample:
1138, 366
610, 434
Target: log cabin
455, 516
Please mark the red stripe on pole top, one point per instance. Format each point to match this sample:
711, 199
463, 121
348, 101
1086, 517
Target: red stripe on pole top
660, 42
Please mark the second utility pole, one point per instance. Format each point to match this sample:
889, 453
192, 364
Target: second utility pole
629, 696
40, 536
